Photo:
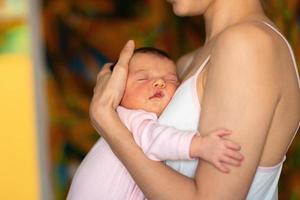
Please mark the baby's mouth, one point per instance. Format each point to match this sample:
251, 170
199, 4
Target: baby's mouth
158, 94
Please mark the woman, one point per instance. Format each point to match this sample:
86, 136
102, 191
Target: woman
244, 78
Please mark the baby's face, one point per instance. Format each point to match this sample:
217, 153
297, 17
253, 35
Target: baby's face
151, 83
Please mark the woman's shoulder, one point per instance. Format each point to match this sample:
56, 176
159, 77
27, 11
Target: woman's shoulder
248, 34
247, 51
254, 39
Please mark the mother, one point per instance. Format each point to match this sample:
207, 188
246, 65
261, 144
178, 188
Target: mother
244, 78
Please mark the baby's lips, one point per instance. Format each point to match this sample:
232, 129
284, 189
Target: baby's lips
157, 94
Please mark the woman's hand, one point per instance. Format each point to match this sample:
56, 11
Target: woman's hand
110, 87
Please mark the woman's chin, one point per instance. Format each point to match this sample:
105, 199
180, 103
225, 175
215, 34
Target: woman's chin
180, 12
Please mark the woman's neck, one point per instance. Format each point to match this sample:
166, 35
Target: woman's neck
224, 13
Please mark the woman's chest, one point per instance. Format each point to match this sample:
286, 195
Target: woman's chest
183, 111
198, 66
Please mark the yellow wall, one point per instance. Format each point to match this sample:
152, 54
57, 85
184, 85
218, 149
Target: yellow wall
18, 137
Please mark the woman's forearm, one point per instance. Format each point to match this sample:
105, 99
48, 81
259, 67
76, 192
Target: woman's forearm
156, 180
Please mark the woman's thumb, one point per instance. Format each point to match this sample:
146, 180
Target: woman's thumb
126, 54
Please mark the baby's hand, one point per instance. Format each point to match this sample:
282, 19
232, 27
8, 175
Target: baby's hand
217, 150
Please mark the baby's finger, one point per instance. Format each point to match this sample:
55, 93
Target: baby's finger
231, 161
234, 154
223, 132
220, 166
232, 145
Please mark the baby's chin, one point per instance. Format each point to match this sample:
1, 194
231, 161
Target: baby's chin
157, 111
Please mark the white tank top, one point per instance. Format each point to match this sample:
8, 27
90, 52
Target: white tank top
184, 112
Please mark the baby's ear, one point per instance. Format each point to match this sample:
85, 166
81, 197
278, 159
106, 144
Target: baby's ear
112, 66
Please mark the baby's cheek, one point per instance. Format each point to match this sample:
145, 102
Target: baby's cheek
128, 96
173, 90
125, 99
133, 97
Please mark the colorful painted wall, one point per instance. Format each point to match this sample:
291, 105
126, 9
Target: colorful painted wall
80, 36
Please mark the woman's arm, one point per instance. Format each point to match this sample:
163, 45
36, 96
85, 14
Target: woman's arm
240, 94
161, 142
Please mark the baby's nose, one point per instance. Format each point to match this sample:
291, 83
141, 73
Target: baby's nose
160, 83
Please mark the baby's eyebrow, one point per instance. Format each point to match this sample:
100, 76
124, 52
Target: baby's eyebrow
144, 71
172, 74
140, 71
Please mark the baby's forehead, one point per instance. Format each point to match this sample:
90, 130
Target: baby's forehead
150, 60
151, 63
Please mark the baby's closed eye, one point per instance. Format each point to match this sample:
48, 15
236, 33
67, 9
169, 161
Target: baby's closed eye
172, 79
142, 78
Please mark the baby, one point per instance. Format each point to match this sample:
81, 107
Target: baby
151, 83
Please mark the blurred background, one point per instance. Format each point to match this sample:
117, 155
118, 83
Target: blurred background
50, 53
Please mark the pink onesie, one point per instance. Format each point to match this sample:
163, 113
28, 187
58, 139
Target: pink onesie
102, 176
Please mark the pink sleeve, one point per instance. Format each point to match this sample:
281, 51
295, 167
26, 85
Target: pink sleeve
159, 142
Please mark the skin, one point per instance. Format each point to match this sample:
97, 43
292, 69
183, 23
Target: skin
255, 79
151, 83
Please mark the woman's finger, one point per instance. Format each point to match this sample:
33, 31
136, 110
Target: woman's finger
117, 81
110, 86
125, 55
104, 70
102, 76
103, 79
121, 68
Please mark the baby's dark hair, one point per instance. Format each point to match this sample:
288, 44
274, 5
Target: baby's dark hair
146, 50
152, 50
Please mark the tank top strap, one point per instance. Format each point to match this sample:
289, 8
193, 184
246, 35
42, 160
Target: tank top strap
200, 69
289, 46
